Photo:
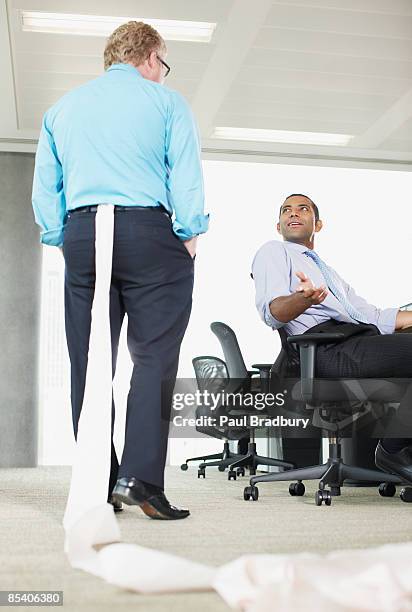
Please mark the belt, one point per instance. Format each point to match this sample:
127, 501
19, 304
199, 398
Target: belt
93, 208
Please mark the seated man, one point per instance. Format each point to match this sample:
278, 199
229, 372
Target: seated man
297, 290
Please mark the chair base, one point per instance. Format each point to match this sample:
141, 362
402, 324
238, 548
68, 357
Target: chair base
332, 473
219, 460
252, 460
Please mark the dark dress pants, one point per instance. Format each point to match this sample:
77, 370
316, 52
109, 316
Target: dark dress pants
364, 356
152, 282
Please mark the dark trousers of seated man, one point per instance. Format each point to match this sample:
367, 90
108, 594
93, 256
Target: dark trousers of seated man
372, 356
152, 281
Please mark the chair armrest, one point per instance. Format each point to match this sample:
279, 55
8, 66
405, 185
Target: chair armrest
264, 374
263, 367
307, 348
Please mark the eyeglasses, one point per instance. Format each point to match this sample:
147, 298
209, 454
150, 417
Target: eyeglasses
165, 65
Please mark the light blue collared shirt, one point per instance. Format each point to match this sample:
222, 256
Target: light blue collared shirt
119, 139
274, 272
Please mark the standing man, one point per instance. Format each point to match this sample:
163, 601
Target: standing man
125, 139
297, 290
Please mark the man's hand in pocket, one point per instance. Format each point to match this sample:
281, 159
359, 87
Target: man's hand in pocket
191, 246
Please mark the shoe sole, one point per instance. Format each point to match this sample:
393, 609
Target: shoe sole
123, 495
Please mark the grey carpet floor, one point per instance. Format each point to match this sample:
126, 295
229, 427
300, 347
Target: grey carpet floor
222, 526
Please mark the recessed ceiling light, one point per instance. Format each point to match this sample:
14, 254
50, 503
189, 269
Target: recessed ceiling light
98, 25
316, 138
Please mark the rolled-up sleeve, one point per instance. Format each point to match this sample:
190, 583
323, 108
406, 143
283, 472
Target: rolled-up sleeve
48, 199
185, 179
270, 270
383, 318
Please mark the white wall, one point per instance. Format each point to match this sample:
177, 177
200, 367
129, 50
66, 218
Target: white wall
367, 237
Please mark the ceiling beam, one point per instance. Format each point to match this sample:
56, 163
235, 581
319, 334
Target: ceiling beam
234, 38
8, 115
391, 120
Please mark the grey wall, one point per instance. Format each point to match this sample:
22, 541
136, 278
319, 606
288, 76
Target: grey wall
20, 274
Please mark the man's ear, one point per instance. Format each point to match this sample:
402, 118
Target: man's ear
278, 227
152, 59
318, 226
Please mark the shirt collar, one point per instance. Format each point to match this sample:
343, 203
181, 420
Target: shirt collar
126, 68
300, 248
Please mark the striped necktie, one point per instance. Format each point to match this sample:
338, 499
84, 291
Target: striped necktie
334, 287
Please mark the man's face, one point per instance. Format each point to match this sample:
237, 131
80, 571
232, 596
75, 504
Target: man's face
297, 220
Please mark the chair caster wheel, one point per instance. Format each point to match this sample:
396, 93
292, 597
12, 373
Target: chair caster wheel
221, 468
296, 489
201, 473
184, 467
323, 496
231, 475
387, 489
240, 471
251, 492
406, 495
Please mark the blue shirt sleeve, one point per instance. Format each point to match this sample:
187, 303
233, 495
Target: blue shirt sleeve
48, 199
271, 274
185, 180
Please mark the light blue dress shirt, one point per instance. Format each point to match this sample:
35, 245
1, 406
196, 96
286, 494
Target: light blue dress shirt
119, 139
274, 272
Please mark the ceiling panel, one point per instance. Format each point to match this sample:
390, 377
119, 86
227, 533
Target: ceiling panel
322, 81
394, 7
332, 43
307, 65
330, 62
270, 93
302, 109
340, 21
397, 145
297, 124
91, 64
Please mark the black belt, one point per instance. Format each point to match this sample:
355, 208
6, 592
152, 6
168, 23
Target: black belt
93, 208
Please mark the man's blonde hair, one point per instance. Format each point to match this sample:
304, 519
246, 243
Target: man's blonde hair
132, 42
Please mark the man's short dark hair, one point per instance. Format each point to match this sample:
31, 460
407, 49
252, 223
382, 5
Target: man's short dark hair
315, 208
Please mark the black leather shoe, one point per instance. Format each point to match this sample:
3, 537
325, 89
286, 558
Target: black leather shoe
151, 499
399, 463
117, 506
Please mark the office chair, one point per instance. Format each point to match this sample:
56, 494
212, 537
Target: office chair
238, 372
325, 398
211, 374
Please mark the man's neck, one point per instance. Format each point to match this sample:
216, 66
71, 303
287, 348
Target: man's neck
309, 244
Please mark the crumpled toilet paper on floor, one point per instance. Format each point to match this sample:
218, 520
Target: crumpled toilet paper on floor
376, 580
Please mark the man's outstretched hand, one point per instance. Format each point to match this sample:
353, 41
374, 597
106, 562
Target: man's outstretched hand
307, 288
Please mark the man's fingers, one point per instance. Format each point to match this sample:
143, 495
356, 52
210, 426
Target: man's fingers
301, 276
320, 294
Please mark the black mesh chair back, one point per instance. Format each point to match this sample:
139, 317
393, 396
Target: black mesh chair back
210, 372
212, 375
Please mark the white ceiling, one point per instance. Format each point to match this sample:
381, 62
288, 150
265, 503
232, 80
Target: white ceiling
336, 66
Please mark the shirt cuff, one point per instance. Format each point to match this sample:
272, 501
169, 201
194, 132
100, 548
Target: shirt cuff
269, 319
53, 237
198, 225
387, 320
